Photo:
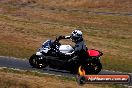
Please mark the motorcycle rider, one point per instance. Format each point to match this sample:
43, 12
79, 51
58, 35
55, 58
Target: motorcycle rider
80, 47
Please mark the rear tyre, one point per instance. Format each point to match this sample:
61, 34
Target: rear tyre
93, 67
37, 62
97, 67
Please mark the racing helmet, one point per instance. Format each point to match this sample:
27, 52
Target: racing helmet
76, 36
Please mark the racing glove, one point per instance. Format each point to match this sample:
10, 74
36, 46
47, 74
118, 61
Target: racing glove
63, 37
60, 37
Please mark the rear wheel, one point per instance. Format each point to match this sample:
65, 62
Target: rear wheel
93, 67
37, 61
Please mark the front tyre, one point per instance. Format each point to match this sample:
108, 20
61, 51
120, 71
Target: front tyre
37, 61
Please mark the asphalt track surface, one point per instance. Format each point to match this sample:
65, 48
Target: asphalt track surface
14, 63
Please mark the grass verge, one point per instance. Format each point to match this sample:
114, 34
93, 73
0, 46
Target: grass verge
28, 79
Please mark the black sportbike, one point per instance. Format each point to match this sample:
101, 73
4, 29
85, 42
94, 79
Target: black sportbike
57, 56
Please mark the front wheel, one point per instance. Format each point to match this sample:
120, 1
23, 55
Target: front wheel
37, 61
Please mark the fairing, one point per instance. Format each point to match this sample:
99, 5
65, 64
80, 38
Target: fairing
94, 53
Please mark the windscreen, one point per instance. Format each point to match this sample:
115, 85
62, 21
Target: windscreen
47, 44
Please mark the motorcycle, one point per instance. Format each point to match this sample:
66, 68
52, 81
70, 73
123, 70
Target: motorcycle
55, 55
